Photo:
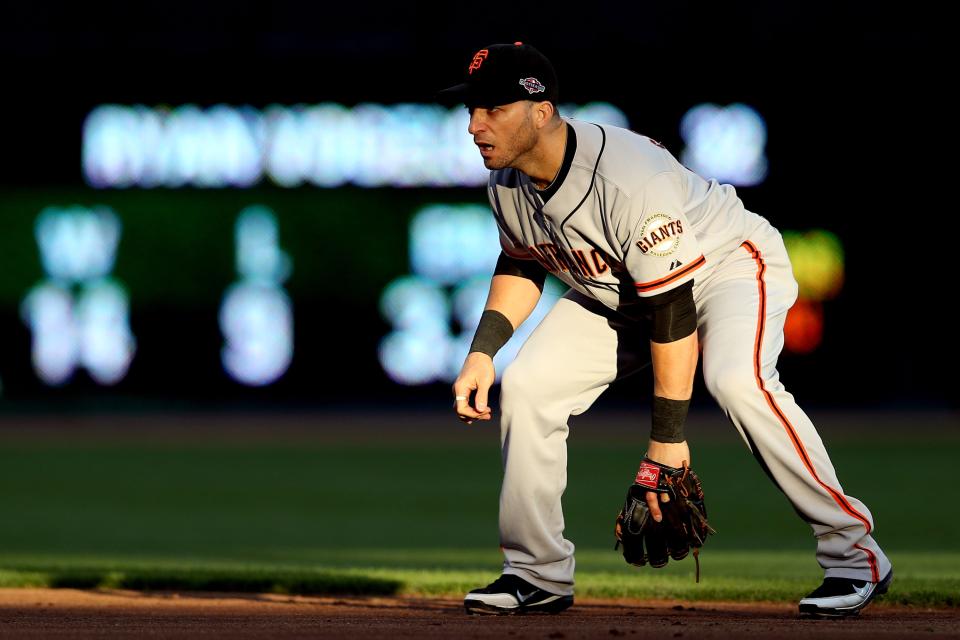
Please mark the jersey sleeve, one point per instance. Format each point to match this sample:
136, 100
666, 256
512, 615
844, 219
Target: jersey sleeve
511, 248
663, 252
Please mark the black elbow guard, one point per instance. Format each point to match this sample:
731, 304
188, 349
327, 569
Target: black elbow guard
529, 269
673, 315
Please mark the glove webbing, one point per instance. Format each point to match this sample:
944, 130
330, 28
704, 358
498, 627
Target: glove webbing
695, 511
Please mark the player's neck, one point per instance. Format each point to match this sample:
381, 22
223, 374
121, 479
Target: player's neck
543, 162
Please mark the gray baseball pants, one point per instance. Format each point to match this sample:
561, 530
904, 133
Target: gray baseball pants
581, 347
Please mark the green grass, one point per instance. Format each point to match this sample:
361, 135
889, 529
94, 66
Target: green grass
420, 518
923, 579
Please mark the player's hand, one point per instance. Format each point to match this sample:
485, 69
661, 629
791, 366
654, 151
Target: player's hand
654, 505
671, 454
476, 377
682, 525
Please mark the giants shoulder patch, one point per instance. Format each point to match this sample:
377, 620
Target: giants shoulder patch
648, 475
659, 235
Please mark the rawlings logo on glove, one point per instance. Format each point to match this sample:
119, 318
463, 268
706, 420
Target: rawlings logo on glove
684, 524
648, 475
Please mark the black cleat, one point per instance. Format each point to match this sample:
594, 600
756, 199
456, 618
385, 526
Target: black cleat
841, 597
510, 594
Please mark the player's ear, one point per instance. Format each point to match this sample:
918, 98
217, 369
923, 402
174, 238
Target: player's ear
543, 113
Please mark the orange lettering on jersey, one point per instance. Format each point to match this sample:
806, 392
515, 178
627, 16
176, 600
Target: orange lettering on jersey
598, 262
551, 266
554, 259
582, 263
544, 249
542, 259
478, 59
569, 263
550, 250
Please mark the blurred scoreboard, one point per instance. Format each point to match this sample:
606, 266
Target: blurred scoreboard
229, 248
306, 250
181, 290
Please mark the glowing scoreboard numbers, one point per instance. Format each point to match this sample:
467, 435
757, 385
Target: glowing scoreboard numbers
256, 316
79, 315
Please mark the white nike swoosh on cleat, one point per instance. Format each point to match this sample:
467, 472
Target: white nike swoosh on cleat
548, 600
848, 601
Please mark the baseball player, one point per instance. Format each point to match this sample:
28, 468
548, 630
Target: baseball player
662, 265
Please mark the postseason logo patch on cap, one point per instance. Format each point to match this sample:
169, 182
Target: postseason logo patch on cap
532, 85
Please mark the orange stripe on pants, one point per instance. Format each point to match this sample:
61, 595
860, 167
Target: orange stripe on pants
838, 497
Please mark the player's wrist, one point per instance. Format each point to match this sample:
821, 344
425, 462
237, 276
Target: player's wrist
668, 419
670, 454
492, 333
479, 356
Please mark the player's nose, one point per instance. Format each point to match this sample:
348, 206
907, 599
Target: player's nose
477, 122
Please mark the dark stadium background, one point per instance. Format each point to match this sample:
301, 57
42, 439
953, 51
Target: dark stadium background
179, 478
853, 97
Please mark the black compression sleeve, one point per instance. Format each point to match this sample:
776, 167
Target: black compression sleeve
673, 315
529, 269
492, 333
669, 416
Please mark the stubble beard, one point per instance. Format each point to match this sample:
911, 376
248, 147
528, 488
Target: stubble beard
524, 140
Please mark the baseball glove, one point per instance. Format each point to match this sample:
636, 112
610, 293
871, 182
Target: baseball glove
684, 524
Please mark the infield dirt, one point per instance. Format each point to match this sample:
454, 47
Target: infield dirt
69, 613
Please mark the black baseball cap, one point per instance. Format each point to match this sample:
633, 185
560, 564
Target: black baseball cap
503, 73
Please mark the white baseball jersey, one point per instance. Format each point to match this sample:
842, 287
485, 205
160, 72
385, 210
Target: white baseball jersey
623, 220
626, 220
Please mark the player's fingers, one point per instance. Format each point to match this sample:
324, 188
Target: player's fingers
464, 418
654, 506
461, 404
461, 400
480, 403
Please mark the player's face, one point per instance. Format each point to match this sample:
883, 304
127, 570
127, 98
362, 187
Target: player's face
503, 134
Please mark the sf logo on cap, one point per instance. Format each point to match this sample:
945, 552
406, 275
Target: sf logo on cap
478, 59
532, 85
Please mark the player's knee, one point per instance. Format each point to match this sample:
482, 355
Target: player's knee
524, 383
729, 383
516, 383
